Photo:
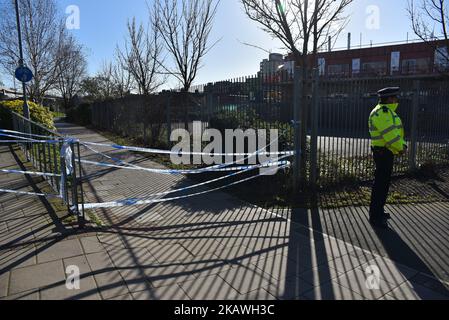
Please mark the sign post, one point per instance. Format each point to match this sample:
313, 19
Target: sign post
22, 71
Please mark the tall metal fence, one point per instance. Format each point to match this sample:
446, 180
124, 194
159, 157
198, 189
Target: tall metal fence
42, 147
338, 144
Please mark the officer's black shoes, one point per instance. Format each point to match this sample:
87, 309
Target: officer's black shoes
379, 223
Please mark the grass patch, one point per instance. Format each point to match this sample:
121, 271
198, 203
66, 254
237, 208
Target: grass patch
93, 218
58, 115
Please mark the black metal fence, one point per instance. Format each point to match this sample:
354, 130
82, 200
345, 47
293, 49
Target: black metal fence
47, 158
338, 147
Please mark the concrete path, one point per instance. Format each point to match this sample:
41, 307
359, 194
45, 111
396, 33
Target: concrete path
209, 247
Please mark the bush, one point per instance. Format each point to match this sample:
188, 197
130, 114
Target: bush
38, 113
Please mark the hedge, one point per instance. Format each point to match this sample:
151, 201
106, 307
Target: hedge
38, 113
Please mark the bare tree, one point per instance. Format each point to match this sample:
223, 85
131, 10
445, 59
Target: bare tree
430, 18
105, 77
123, 80
299, 24
302, 26
42, 29
71, 69
141, 57
185, 27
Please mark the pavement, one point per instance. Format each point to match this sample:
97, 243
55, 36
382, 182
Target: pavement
209, 247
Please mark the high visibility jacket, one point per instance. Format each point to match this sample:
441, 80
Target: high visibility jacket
386, 128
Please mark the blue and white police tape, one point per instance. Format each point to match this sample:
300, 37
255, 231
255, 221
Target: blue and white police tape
30, 134
47, 195
208, 169
14, 136
30, 173
181, 153
138, 202
192, 171
121, 162
30, 141
284, 163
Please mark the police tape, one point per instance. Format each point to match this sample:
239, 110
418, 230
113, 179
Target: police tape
287, 163
30, 173
30, 134
69, 140
216, 168
208, 169
182, 153
138, 202
30, 141
140, 149
46, 195
111, 158
193, 171
14, 136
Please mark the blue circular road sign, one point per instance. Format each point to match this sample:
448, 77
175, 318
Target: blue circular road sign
23, 74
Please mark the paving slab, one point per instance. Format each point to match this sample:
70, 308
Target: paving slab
414, 291
135, 279
256, 295
291, 288
172, 292
278, 266
209, 288
18, 257
356, 281
109, 281
390, 271
88, 291
170, 253
201, 247
111, 240
59, 250
246, 278
320, 275
332, 291
168, 274
37, 276
125, 297
4, 284
30, 295
431, 283
347, 263
91, 245
205, 265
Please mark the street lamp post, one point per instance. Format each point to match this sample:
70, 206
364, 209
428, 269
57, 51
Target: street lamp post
26, 111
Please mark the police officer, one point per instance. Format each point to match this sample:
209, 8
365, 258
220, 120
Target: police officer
387, 136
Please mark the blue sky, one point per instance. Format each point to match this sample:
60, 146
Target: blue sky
103, 25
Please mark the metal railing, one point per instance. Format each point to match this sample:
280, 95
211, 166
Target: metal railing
338, 141
47, 158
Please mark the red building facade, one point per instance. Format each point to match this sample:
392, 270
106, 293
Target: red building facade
390, 60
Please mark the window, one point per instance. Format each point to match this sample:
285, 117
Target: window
442, 59
416, 66
338, 69
375, 68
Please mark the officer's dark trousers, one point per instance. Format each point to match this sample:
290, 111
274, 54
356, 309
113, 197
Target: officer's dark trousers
384, 160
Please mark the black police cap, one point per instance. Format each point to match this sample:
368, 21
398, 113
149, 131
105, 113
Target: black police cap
388, 92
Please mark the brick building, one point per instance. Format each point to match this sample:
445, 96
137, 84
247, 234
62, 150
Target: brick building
389, 60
